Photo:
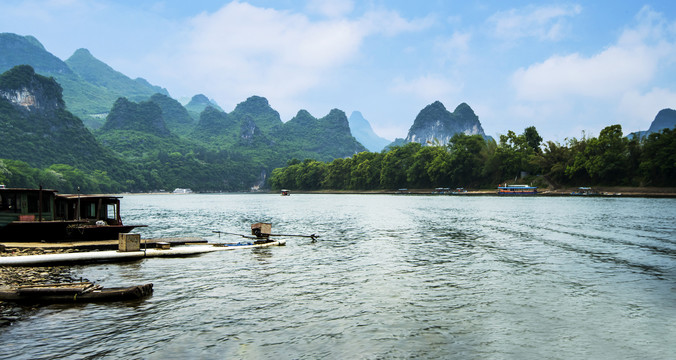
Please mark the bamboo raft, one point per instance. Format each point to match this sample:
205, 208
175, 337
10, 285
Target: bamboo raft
74, 293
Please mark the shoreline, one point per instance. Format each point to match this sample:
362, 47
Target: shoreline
602, 191
13, 276
613, 191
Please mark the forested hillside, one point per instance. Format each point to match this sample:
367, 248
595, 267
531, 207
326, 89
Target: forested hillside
38, 133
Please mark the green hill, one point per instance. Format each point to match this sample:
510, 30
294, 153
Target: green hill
328, 138
145, 117
38, 130
19, 50
260, 112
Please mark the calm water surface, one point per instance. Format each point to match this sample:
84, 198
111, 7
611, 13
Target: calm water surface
391, 277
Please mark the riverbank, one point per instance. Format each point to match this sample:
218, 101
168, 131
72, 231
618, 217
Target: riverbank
12, 276
623, 191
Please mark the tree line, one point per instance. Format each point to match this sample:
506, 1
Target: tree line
471, 161
468, 161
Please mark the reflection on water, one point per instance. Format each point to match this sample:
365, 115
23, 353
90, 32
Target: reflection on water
390, 276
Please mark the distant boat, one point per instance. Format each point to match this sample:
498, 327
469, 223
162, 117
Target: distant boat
182, 191
517, 190
286, 192
584, 191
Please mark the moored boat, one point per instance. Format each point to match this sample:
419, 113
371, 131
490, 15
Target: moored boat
517, 190
30, 215
584, 191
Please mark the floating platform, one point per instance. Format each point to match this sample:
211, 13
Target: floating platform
102, 244
117, 256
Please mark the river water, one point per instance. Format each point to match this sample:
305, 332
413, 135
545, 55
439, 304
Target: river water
392, 276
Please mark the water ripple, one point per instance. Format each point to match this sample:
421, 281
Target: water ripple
390, 277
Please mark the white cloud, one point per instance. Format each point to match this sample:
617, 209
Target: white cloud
608, 73
242, 50
335, 8
628, 65
456, 48
617, 85
428, 87
544, 23
390, 23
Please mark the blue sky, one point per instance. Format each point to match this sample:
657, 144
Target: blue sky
564, 67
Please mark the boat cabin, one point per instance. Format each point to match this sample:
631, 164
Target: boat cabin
90, 208
26, 205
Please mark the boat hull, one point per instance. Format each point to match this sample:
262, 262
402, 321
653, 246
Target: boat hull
57, 231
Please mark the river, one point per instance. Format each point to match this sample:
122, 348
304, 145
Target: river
391, 276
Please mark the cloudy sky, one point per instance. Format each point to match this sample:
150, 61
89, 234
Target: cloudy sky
564, 67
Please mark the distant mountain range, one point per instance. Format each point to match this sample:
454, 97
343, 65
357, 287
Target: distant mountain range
91, 88
155, 144
131, 124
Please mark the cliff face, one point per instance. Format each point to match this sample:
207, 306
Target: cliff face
435, 124
35, 93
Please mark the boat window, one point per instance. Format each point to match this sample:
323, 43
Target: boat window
8, 203
111, 211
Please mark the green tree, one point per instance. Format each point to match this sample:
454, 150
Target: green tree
439, 168
466, 160
395, 165
416, 174
338, 174
533, 139
553, 162
658, 161
366, 169
310, 175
